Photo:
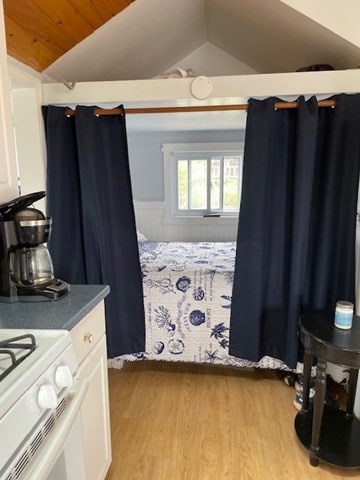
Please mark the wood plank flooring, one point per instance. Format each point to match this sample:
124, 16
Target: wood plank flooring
194, 422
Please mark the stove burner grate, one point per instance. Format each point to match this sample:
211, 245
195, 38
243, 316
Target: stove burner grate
26, 343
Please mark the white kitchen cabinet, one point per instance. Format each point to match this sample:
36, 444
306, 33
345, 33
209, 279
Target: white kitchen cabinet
8, 164
89, 342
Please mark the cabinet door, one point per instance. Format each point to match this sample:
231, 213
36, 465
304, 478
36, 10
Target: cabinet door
95, 413
8, 165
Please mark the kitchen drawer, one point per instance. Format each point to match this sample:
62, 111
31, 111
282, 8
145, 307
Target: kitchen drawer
88, 332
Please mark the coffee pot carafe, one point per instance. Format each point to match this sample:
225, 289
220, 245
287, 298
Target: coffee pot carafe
31, 266
30, 261
26, 267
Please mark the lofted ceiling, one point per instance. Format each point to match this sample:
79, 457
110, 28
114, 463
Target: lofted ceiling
38, 32
98, 40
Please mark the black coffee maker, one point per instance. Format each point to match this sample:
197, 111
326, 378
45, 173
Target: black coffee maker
26, 269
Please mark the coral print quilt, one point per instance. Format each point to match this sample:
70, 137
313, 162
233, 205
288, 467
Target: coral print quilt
187, 299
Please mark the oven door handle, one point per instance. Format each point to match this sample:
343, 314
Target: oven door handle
44, 462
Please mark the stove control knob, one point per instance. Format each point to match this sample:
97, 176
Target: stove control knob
47, 397
63, 376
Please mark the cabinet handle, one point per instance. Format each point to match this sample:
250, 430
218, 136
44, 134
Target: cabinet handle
88, 337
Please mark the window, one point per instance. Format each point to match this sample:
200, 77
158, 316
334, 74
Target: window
203, 179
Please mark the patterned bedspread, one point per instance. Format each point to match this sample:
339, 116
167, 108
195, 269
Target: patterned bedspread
187, 298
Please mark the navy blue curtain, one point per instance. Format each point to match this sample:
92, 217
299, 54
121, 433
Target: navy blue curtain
296, 233
89, 197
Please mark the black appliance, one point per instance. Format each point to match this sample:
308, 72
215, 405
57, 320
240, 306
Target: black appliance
26, 269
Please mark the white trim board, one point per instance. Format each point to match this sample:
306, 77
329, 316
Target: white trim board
226, 90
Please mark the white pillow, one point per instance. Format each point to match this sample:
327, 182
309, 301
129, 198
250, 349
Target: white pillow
140, 236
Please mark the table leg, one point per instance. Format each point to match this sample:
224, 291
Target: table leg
351, 392
307, 376
320, 389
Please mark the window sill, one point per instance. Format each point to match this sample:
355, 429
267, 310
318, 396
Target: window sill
200, 220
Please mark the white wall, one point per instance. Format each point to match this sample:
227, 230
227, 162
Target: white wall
26, 97
150, 221
28, 141
341, 18
211, 61
8, 170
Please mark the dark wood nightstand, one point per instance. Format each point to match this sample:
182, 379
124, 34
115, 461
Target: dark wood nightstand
331, 435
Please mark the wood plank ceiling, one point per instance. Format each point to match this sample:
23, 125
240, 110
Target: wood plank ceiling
38, 32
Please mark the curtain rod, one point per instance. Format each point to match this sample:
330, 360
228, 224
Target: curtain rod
203, 108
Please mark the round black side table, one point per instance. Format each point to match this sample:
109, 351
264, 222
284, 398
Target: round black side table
331, 435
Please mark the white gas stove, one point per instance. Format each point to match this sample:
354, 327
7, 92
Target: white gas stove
40, 397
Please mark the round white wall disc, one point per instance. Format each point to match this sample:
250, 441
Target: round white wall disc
201, 87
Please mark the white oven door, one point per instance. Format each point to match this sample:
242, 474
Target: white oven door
61, 457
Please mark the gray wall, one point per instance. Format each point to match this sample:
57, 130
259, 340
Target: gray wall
146, 158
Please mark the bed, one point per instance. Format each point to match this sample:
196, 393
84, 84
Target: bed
187, 299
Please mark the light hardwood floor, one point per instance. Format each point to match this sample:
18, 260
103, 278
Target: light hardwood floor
195, 422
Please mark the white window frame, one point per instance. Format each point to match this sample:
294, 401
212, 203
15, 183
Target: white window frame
171, 151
